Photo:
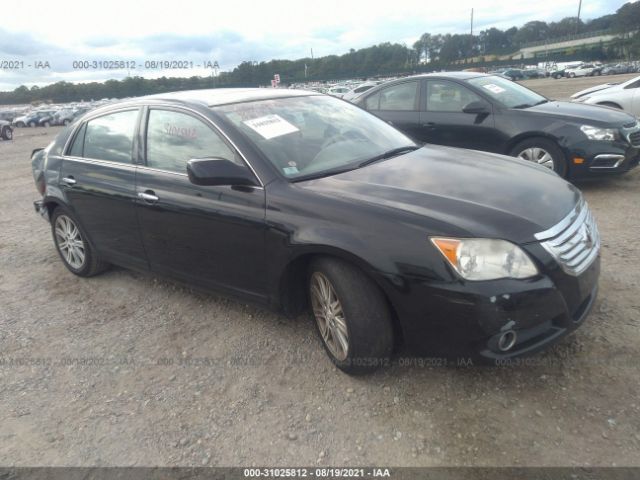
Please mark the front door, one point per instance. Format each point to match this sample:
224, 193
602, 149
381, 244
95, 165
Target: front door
445, 123
212, 235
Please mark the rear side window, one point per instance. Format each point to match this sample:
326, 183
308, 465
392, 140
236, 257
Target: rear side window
173, 138
399, 97
78, 143
372, 102
110, 137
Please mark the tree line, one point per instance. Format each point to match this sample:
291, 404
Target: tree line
430, 52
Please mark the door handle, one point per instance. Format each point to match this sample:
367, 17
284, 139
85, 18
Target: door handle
70, 181
429, 125
148, 196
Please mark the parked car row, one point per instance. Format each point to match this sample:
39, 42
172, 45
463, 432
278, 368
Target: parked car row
302, 201
49, 117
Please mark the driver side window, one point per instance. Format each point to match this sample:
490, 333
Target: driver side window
445, 96
173, 138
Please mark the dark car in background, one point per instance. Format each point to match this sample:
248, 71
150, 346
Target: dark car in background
490, 113
6, 132
617, 69
512, 74
303, 201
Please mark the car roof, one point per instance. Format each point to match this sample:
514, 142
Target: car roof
223, 96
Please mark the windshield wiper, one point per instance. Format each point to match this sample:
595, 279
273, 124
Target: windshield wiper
523, 105
388, 154
541, 102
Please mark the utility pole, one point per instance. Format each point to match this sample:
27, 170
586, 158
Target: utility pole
312, 54
471, 36
579, 10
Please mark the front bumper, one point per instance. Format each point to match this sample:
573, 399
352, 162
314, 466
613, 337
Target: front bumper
468, 318
594, 158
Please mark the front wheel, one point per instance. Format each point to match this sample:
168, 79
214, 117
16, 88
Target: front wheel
75, 249
7, 133
543, 152
351, 315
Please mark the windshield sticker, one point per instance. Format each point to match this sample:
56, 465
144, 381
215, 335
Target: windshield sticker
494, 88
270, 126
290, 170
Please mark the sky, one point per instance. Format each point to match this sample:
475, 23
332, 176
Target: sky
43, 39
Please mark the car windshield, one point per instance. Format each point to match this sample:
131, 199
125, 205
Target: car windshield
506, 92
314, 136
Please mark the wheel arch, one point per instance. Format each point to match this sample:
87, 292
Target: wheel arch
511, 144
292, 294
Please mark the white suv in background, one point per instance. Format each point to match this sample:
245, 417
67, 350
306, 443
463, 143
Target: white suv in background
583, 70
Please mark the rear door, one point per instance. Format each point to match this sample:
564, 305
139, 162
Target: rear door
98, 181
210, 235
445, 123
398, 104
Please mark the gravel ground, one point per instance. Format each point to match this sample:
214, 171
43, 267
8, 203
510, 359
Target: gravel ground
129, 369
563, 88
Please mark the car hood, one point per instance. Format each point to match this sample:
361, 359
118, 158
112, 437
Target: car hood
464, 192
597, 88
581, 113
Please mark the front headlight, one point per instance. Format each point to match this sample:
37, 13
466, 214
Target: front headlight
485, 259
595, 133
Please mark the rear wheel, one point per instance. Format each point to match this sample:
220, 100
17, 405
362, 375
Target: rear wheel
7, 133
543, 152
352, 316
46, 124
32, 124
75, 249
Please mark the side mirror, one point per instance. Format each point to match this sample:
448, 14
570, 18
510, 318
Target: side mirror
477, 107
218, 171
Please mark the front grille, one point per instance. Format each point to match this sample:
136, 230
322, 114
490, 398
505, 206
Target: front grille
574, 242
634, 138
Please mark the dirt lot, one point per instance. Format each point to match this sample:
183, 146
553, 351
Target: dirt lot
563, 88
128, 369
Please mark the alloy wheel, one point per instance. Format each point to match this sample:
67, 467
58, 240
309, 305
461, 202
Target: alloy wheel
329, 316
539, 156
70, 242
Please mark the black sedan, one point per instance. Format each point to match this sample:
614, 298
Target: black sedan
297, 200
489, 113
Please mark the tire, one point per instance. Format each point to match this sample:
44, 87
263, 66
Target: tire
572, 75
20, 125
46, 124
598, 73
366, 324
7, 133
81, 259
610, 104
531, 149
32, 124
66, 122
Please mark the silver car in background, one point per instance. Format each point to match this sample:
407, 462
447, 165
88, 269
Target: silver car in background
624, 96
